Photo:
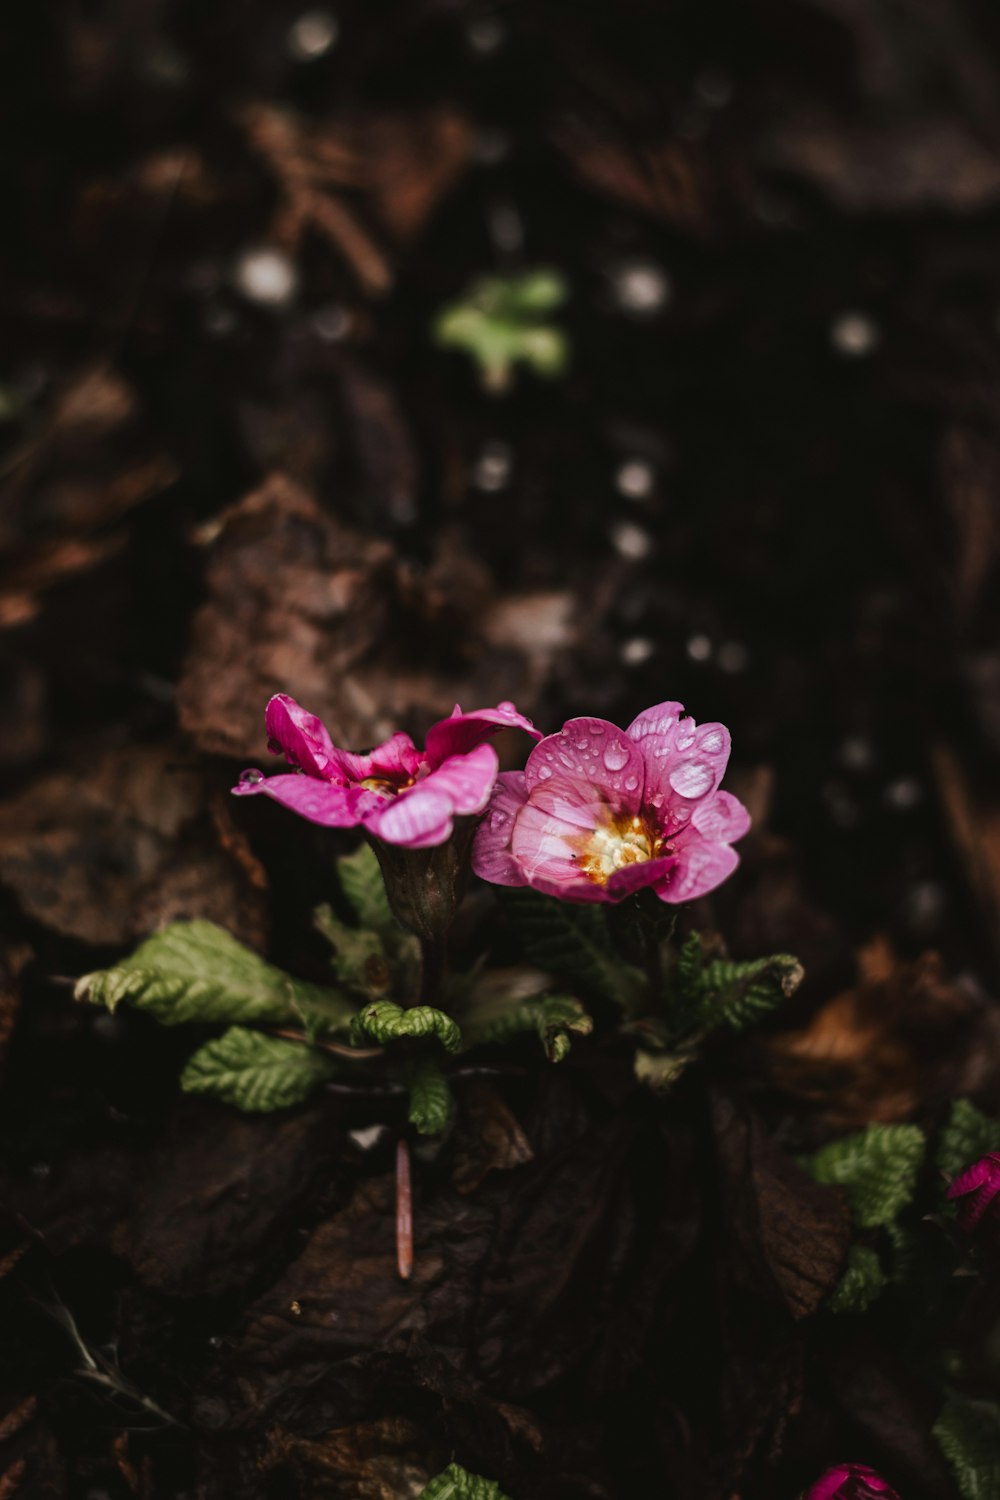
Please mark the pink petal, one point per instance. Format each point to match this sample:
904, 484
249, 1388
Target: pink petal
397, 758
299, 736
461, 732
545, 847
684, 763
721, 817
829, 1484
321, 802
590, 752
701, 866
492, 859
635, 877
467, 779
972, 1177
658, 721
572, 890
416, 819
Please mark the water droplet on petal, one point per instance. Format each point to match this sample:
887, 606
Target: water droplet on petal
713, 741
251, 778
544, 772
692, 778
615, 755
685, 735
631, 782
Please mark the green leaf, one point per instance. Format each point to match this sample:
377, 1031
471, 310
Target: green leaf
363, 886
458, 1484
861, 1283
719, 992
571, 941
431, 1101
384, 1021
500, 323
256, 1073
968, 1135
358, 959
968, 1434
555, 1018
877, 1166
195, 971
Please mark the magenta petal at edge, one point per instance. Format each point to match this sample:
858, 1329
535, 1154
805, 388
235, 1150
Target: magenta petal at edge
600, 812
851, 1482
396, 792
975, 1190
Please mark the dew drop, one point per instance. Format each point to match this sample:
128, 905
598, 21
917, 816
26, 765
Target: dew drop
544, 772
631, 782
712, 742
251, 778
685, 736
615, 755
692, 778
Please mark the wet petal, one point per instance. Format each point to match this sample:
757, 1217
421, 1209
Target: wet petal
462, 732
722, 818
545, 847
492, 859
321, 802
636, 877
397, 759
701, 866
300, 736
594, 754
467, 779
417, 819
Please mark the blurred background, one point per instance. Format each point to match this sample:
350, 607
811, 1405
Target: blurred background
581, 354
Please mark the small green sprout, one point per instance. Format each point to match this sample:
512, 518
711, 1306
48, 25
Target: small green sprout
502, 321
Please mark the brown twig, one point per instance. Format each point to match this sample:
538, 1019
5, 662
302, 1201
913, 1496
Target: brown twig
404, 1210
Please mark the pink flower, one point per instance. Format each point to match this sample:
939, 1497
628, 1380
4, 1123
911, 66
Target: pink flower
978, 1186
599, 812
398, 793
851, 1482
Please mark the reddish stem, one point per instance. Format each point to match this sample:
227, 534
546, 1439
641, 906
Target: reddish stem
404, 1211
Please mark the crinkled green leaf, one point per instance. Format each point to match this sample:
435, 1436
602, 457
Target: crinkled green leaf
861, 1283
878, 1167
431, 1101
968, 1434
384, 1021
255, 1072
363, 886
968, 1135
573, 942
555, 1018
197, 972
720, 992
458, 1484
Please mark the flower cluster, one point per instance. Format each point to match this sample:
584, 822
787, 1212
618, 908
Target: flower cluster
597, 813
851, 1482
977, 1188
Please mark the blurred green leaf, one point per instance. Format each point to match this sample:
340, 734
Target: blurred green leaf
968, 1434
967, 1135
861, 1284
878, 1167
458, 1484
499, 323
431, 1101
572, 942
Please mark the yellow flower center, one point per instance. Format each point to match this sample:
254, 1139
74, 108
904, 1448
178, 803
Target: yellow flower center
384, 787
614, 845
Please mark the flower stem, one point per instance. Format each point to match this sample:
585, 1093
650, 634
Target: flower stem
404, 1210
